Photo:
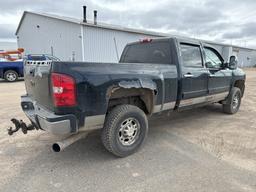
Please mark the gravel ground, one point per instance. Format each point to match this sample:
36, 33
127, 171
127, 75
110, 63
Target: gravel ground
196, 150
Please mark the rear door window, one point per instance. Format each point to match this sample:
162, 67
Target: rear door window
150, 52
191, 55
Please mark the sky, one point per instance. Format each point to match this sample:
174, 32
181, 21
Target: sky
229, 21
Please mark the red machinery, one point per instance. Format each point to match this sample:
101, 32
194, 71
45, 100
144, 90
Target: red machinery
8, 55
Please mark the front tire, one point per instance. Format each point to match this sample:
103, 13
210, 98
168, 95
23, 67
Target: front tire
125, 130
11, 76
233, 101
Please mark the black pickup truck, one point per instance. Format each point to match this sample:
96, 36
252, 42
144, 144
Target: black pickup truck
153, 75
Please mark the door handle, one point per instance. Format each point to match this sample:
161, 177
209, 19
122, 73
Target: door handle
188, 75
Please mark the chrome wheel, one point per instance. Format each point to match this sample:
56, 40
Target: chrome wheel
11, 76
129, 131
125, 130
235, 101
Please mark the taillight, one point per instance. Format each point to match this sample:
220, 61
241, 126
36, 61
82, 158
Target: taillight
64, 90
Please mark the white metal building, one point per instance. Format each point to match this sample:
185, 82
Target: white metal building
73, 39
246, 56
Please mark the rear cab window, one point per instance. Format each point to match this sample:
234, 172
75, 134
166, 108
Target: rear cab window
148, 52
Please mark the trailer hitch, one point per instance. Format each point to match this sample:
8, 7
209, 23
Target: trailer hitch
19, 124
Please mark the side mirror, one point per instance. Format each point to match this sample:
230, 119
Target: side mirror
232, 62
208, 64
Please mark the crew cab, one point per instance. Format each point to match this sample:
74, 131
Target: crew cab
152, 76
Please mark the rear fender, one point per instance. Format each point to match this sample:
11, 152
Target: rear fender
144, 88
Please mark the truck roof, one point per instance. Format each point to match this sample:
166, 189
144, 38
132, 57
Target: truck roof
184, 40
151, 39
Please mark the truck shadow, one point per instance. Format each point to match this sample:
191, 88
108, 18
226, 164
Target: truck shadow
92, 150
4, 81
87, 162
188, 116
88, 155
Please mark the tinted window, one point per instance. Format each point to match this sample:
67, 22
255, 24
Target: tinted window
212, 59
36, 57
151, 52
191, 55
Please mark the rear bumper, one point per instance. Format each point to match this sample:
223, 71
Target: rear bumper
47, 120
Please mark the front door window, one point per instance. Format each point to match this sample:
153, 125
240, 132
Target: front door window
212, 59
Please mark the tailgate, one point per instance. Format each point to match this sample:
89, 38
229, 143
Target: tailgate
37, 82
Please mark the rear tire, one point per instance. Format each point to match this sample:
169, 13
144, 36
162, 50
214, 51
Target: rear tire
125, 130
233, 101
11, 76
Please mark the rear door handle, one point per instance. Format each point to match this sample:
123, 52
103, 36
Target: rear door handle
188, 75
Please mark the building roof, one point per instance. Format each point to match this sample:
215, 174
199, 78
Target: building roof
117, 28
91, 24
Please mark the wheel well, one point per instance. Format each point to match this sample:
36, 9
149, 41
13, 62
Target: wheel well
13, 69
240, 84
140, 97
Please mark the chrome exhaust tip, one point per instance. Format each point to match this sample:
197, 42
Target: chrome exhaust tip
61, 145
56, 147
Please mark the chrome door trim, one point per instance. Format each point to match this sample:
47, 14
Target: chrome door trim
209, 98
